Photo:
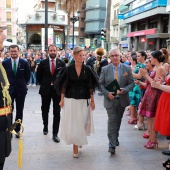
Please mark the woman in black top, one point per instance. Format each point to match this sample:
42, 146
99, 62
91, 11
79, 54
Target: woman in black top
77, 101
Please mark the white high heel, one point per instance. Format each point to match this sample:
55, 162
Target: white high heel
75, 155
75, 151
139, 127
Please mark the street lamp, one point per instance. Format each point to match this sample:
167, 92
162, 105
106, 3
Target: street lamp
46, 25
73, 20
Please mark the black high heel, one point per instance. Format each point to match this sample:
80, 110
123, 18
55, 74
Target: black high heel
167, 167
166, 163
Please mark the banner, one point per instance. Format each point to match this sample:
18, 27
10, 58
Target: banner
50, 37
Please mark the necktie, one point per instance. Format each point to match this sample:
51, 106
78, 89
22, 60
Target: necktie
52, 67
15, 68
116, 74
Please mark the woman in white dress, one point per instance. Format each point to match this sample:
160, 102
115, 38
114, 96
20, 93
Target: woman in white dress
77, 101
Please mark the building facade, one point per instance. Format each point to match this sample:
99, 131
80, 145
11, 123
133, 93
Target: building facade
8, 17
114, 28
147, 23
95, 18
35, 26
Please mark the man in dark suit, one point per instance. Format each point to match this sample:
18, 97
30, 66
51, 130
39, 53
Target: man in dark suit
104, 61
90, 61
115, 105
18, 74
46, 75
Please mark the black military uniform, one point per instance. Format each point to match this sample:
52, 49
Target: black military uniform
5, 118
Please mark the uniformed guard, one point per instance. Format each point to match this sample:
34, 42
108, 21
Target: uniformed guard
5, 117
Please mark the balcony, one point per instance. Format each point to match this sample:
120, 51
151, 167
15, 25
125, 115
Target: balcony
115, 22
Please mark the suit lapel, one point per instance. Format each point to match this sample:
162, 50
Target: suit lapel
111, 71
48, 65
10, 63
18, 66
121, 72
56, 64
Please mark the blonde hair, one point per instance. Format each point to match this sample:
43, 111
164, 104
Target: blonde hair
77, 49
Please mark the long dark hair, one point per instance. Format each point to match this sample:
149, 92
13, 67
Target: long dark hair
159, 56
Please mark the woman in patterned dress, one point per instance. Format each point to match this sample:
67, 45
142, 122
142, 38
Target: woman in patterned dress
135, 93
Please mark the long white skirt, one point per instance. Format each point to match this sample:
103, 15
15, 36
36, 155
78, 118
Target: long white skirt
76, 121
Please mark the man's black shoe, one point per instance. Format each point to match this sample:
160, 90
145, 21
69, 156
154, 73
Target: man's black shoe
112, 150
45, 130
56, 139
117, 142
166, 152
168, 137
17, 135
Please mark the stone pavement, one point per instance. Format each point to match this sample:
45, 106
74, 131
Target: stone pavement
41, 153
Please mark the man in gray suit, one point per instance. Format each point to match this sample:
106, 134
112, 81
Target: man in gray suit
115, 105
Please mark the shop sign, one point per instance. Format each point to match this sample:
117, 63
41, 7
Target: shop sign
124, 45
143, 8
56, 27
151, 42
142, 32
143, 40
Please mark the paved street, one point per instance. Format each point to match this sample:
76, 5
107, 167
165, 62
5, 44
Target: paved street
41, 153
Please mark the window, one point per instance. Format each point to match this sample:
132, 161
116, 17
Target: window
8, 16
8, 3
141, 27
82, 29
153, 24
37, 16
9, 30
82, 19
81, 40
62, 17
54, 17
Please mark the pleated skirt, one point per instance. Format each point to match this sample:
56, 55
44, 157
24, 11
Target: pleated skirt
76, 121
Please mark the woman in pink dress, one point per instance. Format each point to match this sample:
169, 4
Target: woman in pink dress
150, 100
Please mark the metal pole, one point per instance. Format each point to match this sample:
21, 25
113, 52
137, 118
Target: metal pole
46, 25
73, 33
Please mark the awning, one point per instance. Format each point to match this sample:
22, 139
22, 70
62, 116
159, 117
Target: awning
142, 32
158, 35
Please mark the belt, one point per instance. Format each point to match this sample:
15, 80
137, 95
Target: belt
116, 97
4, 111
